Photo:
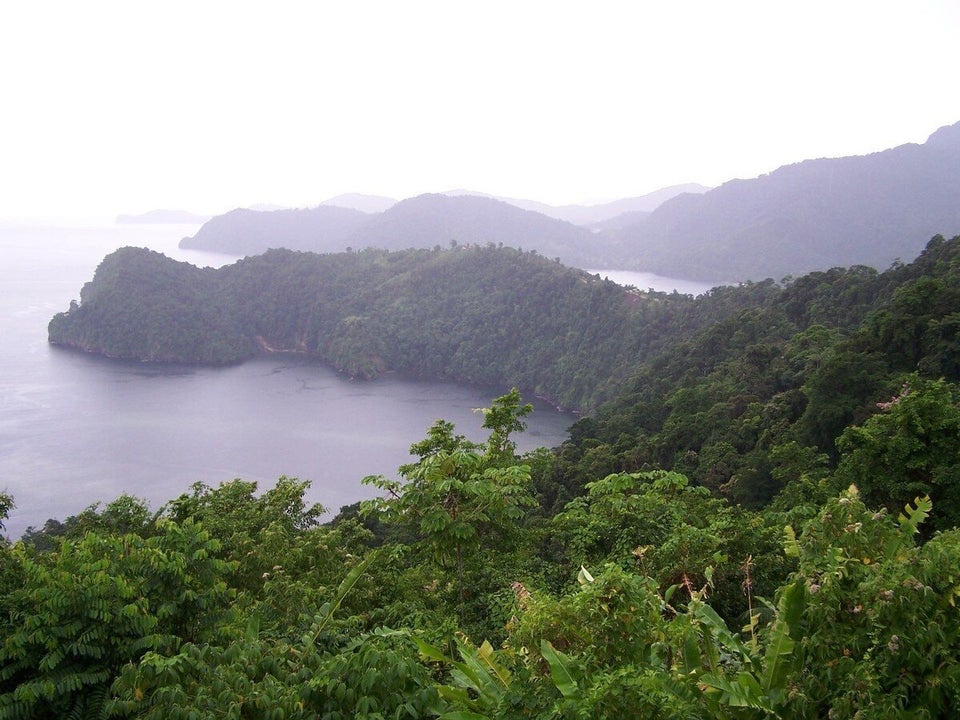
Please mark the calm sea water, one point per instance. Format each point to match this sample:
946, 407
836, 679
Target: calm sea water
77, 429
649, 281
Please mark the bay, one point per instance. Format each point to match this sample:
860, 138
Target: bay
77, 429
660, 283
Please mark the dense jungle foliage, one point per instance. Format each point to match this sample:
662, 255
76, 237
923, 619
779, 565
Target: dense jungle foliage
486, 315
762, 524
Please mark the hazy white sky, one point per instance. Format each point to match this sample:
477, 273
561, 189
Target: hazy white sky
126, 106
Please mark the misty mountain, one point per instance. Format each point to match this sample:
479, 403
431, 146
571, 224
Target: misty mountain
621, 221
249, 232
432, 219
594, 214
813, 215
421, 222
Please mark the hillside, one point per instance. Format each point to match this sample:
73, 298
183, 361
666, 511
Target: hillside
591, 215
484, 315
477, 314
247, 232
425, 221
762, 396
761, 523
814, 215
430, 220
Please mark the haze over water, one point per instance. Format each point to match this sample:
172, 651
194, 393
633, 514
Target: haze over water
77, 429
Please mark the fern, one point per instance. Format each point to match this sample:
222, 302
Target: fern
912, 517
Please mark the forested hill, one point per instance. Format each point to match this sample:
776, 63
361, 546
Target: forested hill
326, 228
594, 215
763, 401
482, 315
424, 221
429, 220
500, 316
813, 215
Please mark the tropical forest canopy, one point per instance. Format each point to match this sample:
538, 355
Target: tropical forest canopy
759, 521
485, 315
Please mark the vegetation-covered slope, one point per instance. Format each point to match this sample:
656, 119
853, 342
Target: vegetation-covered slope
463, 602
503, 317
424, 222
326, 228
763, 396
763, 524
482, 315
433, 220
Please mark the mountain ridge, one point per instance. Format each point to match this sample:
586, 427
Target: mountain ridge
872, 209
324, 228
811, 215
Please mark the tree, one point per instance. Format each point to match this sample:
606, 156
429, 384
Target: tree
6, 504
460, 495
879, 627
79, 614
502, 418
909, 449
254, 530
658, 524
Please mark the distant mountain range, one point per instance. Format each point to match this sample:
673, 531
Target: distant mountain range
425, 221
325, 228
590, 215
430, 220
813, 215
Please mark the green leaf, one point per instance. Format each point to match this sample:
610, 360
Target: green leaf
911, 518
561, 669
487, 655
473, 673
253, 628
430, 652
691, 653
791, 548
342, 591
791, 605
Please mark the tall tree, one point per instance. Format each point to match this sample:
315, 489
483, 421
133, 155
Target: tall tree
460, 496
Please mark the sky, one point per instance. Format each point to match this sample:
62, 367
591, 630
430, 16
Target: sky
124, 107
